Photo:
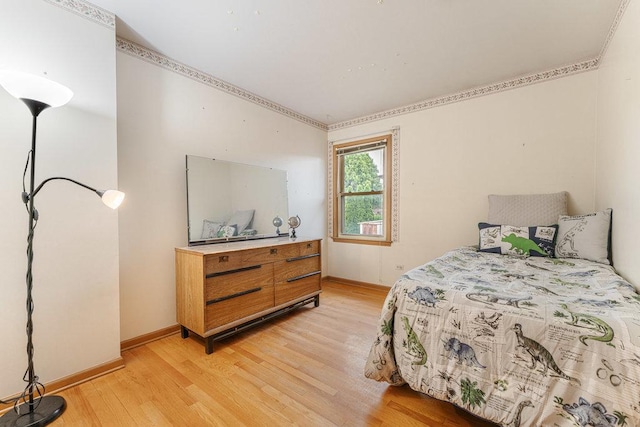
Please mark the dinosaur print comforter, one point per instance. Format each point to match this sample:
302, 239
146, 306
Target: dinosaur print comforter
518, 341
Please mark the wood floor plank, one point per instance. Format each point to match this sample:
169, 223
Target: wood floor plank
304, 368
246, 402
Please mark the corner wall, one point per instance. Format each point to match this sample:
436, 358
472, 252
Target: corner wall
534, 139
162, 116
618, 141
75, 277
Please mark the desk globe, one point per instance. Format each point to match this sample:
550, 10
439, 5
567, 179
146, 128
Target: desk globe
277, 223
294, 222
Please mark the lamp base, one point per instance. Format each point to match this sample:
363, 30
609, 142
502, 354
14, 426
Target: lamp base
49, 408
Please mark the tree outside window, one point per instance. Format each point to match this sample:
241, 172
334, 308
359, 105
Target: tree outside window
361, 176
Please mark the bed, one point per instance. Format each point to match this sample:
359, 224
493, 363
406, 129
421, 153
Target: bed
516, 339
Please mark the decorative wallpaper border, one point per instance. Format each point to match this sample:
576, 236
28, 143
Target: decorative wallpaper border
395, 181
155, 58
395, 184
614, 27
472, 93
330, 188
87, 10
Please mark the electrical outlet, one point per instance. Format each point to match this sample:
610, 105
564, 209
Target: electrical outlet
399, 267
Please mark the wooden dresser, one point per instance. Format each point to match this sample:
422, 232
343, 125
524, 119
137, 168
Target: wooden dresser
224, 288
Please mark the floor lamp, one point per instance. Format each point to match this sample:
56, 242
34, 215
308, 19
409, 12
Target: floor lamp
32, 407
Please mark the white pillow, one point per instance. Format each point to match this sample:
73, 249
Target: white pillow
241, 219
527, 210
210, 229
584, 236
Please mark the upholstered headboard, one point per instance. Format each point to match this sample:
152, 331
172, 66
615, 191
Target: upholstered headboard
527, 209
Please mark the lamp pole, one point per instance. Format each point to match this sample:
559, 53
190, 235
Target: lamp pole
40, 409
46, 408
30, 210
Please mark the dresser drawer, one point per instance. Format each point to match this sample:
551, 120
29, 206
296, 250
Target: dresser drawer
296, 268
229, 310
226, 261
308, 248
289, 291
232, 284
266, 255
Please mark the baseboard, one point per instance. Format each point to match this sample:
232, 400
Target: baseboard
106, 368
147, 338
75, 379
356, 283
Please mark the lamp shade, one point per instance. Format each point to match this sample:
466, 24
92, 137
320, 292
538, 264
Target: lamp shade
111, 198
28, 86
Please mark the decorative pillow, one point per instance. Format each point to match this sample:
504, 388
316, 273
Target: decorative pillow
585, 236
520, 241
526, 209
242, 219
210, 229
228, 231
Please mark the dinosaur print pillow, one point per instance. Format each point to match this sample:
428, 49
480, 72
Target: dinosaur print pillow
518, 241
585, 236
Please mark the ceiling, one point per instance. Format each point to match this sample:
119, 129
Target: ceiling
336, 60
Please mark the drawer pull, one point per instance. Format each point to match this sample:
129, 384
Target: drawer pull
237, 294
237, 270
273, 251
298, 258
223, 258
303, 276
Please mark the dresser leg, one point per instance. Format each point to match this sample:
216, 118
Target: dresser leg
316, 301
184, 332
208, 345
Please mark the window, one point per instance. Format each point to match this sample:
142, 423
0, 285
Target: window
362, 191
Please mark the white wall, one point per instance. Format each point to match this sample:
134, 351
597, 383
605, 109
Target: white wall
75, 287
618, 142
161, 117
535, 139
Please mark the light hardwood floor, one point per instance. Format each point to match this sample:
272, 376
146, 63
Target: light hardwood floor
305, 368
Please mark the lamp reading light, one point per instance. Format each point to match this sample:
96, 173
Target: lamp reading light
32, 407
111, 198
